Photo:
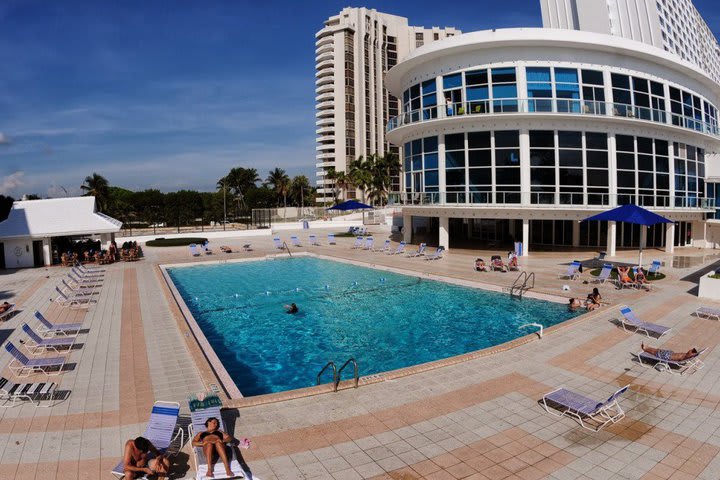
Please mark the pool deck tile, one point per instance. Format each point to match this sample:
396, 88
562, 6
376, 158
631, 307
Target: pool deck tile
476, 416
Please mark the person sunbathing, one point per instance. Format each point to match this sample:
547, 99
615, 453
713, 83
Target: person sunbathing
213, 441
669, 355
623, 275
497, 264
137, 459
226, 249
513, 263
5, 307
480, 265
640, 278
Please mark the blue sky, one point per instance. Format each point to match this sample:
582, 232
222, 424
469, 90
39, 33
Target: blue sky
172, 95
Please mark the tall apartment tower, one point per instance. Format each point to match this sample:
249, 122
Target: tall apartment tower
352, 53
673, 25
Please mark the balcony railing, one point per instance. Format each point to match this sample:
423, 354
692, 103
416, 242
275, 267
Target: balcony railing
561, 106
551, 199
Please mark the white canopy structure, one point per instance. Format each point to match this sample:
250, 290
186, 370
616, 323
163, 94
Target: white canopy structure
26, 235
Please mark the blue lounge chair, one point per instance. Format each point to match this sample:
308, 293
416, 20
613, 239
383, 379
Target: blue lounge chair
399, 250
159, 430
708, 312
198, 419
194, 250
436, 255
573, 271
39, 345
9, 312
605, 274
417, 253
662, 362
369, 242
21, 366
54, 329
384, 248
599, 259
655, 267
591, 414
313, 240
358, 242
32, 392
73, 301
278, 243
295, 241
331, 239
630, 319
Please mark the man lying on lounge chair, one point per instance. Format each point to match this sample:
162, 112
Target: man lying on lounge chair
226, 249
669, 355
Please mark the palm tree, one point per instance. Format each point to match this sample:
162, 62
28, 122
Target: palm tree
239, 180
299, 186
383, 169
343, 182
360, 172
331, 174
97, 186
280, 183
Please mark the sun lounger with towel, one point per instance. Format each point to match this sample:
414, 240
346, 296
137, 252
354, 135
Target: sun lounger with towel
708, 312
32, 392
573, 271
591, 414
48, 329
39, 345
198, 418
21, 366
662, 362
160, 430
630, 319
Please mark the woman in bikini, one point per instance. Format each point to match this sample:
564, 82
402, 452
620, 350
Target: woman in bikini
138, 462
669, 355
214, 440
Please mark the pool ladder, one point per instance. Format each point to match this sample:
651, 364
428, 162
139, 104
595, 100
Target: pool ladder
337, 373
528, 282
287, 248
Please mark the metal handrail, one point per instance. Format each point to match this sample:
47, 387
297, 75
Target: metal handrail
287, 248
335, 373
540, 333
522, 288
355, 373
562, 106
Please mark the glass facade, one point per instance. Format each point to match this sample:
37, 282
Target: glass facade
558, 90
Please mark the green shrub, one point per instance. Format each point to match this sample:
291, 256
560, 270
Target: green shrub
716, 275
175, 242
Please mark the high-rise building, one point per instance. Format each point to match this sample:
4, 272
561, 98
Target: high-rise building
673, 25
353, 52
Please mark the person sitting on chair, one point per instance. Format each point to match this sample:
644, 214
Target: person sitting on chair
640, 278
669, 355
212, 441
137, 462
623, 276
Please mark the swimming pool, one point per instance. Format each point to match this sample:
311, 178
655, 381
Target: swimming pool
385, 320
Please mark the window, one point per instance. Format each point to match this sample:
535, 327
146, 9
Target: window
593, 92
504, 90
477, 91
539, 89
452, 91
542, 166
567, 90
507, 166
455, 162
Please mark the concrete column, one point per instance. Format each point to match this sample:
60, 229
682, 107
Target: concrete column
575, 233
643, 239
105, 239
611, 239
407, 228
47, 252
526, 236
699, 234
670, 237
444, 233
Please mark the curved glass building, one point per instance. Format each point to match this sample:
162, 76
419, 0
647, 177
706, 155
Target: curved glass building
520, 133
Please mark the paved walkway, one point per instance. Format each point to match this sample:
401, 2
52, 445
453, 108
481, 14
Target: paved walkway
477, 419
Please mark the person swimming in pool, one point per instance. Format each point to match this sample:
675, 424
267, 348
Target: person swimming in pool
292, 308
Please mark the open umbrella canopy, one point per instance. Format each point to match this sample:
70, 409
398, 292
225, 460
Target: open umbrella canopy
350, 205
630, 214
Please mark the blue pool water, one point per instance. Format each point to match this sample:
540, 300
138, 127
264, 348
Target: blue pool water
385, 320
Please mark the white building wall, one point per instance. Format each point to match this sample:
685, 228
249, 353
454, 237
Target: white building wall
18, 253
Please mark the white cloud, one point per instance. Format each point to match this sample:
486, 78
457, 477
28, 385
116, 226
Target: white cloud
11, 182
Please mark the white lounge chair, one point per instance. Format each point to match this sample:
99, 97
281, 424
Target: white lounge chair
49, 329
313, 240
436, 255
278, 243
358, 243
573, 271
398, 251
194, 250
605, 275
160, 431
419, 252
77, 290
331, 239
384, 248
591, 414
630, 319
21, 366
73, 301
38, 345
295, 241
655, 267
85, 282
84, 269
198, 419
369, 242
247, 247
708, 312
32, 392
662, 362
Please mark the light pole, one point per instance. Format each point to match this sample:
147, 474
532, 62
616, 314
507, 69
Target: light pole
224, 207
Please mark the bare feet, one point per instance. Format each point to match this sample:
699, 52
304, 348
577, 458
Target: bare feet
209, 473
229, 472
642, 346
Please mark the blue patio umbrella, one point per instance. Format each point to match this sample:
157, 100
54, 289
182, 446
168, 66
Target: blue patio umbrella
350, 205
630, 214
